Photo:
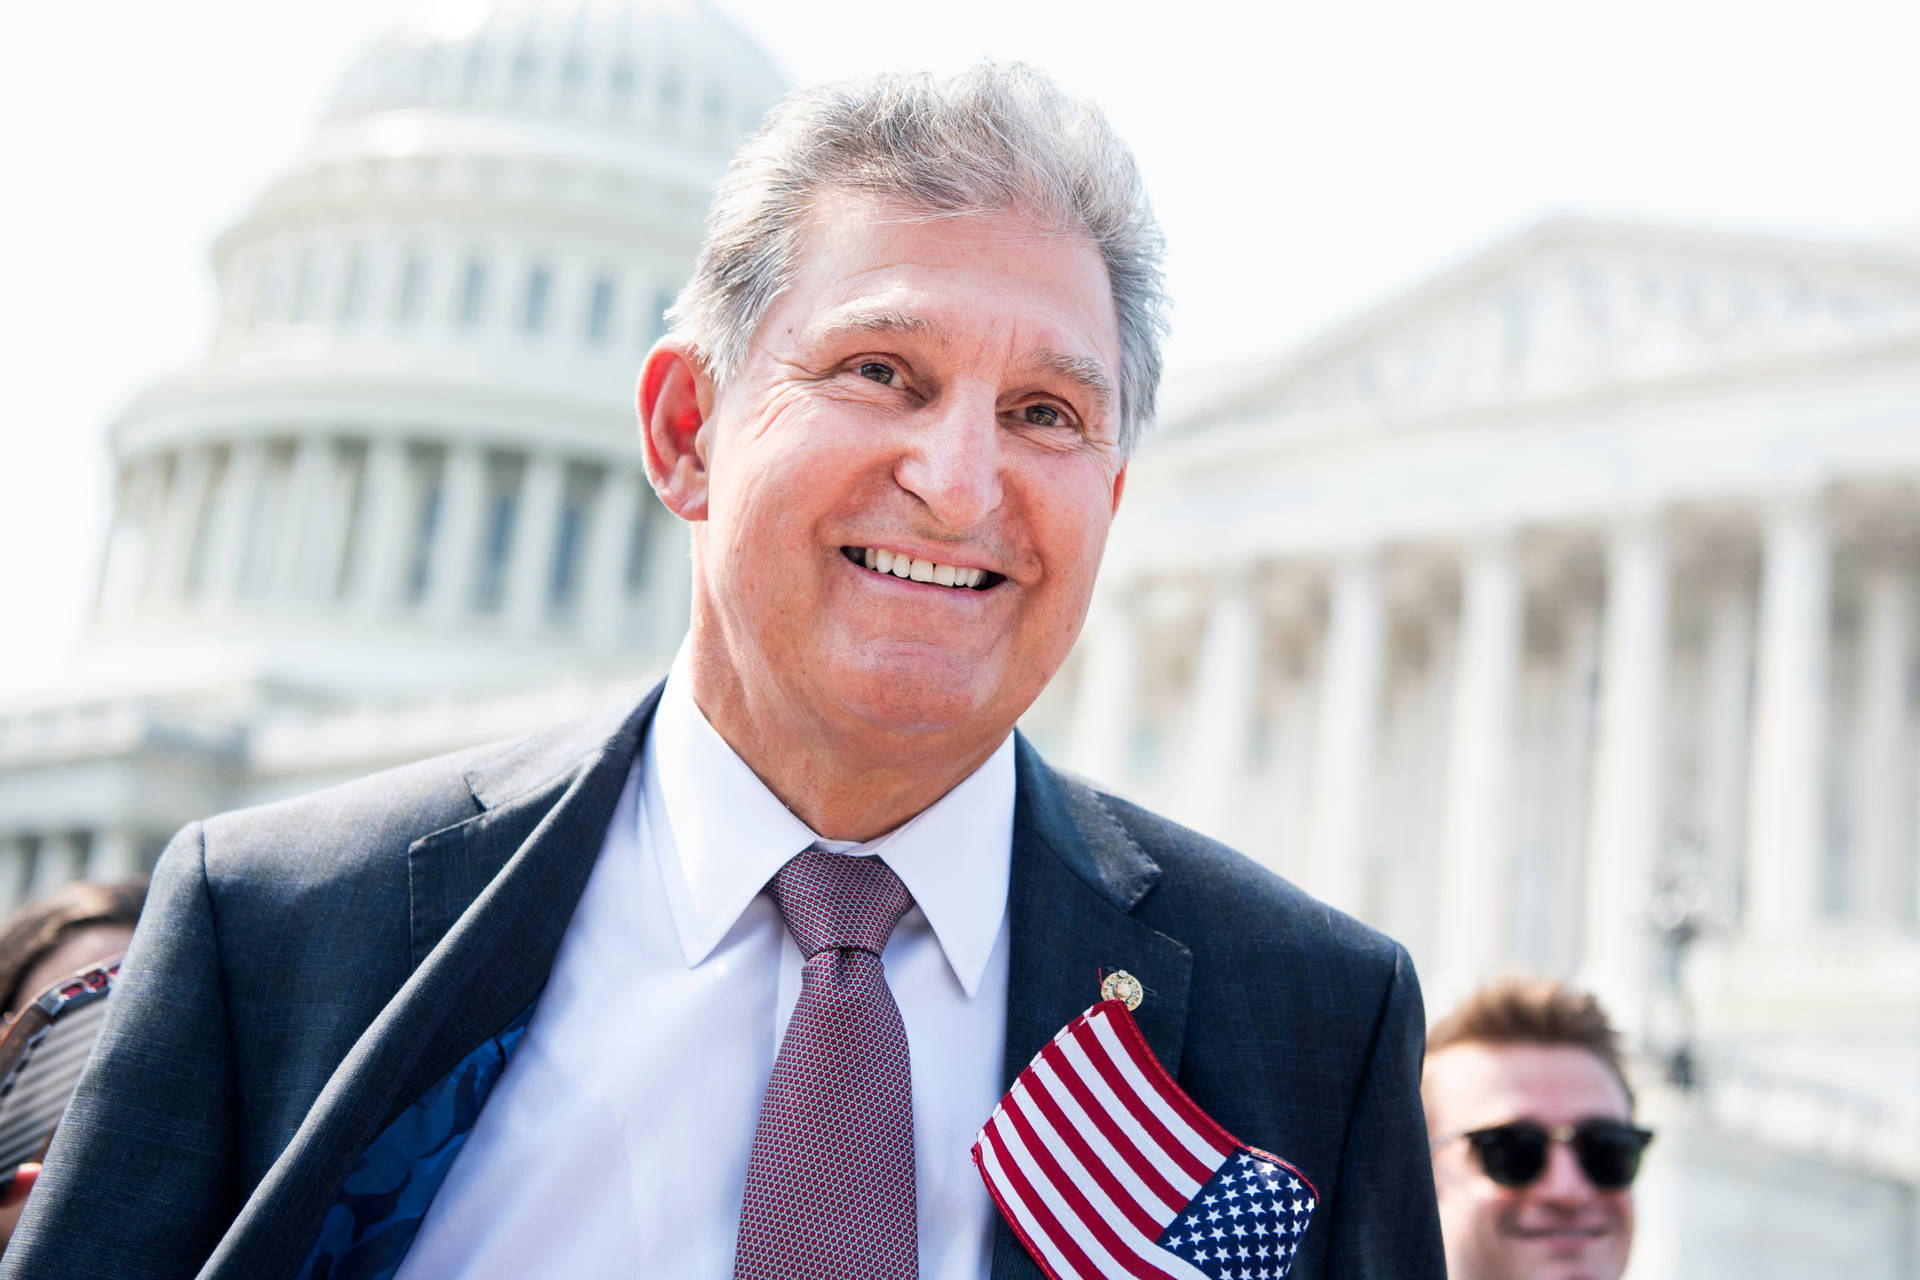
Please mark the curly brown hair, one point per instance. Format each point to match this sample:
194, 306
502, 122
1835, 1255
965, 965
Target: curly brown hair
1520, 1010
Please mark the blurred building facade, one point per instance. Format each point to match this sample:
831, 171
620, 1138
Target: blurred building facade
1558, 615
399, 506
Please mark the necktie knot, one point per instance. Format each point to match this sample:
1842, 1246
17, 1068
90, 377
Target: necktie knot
830, 900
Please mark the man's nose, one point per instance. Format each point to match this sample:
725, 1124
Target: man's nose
952, 460
1563, 1180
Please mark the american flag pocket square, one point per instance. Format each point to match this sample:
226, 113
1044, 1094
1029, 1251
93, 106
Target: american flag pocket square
1103, 1167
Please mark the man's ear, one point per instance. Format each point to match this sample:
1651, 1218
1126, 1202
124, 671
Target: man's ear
1119, 487
675, 401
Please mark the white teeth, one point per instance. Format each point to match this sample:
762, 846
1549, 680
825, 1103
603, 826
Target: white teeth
901, 565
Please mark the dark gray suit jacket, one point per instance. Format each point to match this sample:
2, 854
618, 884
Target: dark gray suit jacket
305, 970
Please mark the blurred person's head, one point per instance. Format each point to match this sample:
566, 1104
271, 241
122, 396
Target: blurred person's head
1531, 1121
69, 929
73, 928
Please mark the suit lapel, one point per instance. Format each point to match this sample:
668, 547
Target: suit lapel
1076, 876
490, 899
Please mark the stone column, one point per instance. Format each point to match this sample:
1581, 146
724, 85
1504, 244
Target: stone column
386, 527
456, 538
169, 571
1787, 813
16, 873
230, 520
1883, 765
1106, 701
130, 561
1225, 702
603, 602
1474, 854
1727, 697
296, 561
1628, 770
535, 532
60, 860
1349, 715
114, 855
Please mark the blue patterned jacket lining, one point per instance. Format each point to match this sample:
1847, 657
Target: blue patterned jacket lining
371, 1226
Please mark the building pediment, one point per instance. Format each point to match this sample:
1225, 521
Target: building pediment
1571, 306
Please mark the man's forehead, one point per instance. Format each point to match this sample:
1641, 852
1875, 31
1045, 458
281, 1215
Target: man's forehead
1472, 1084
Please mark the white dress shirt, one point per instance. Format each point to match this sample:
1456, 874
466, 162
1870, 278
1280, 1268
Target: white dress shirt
616, 1142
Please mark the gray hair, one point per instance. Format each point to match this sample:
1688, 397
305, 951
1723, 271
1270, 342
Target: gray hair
995, 137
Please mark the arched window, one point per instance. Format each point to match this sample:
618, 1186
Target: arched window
533, 308
600, 309
472, 301
353, 287
410, 296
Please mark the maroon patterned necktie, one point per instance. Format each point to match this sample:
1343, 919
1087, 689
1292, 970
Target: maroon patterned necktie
830, 1184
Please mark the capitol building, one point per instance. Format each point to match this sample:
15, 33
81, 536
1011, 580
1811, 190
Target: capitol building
1561, 614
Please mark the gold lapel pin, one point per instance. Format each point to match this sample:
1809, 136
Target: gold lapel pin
1124, 987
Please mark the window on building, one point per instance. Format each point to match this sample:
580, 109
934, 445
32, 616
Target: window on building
670, 91
353, 287
523, 69
573, 72
563, 574
496, 548
306, 290
472, 301
420, 567
269, 291
620, 83
600, 309
714, 105
533, 311
411, 295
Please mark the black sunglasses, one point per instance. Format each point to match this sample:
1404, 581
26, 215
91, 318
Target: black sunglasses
1515, 1154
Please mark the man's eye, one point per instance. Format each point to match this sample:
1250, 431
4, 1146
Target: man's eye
880, 373
1042, 415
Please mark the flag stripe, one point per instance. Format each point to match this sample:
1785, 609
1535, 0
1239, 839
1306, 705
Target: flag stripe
1094, 1071
1105, 1164
1170, 1149
1127, 1250
1044, 1200
1203, 1125
1204, 1153
1057, 1063
1007, 1191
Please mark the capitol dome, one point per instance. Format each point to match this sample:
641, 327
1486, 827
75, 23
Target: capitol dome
408, 460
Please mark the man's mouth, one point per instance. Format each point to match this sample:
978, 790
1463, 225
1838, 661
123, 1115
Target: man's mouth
902, 565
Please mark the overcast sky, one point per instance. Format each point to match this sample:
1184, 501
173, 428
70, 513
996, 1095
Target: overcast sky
1306, 161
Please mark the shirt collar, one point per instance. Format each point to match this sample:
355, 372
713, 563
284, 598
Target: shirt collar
720, 835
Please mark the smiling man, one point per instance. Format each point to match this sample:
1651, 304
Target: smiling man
1534, 1146
727, 983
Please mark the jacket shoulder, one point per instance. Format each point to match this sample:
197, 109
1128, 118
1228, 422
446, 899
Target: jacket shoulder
334, 832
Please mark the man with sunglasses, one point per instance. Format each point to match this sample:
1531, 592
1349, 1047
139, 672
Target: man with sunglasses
1534, 1146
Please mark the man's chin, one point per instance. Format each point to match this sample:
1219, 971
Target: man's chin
925, 693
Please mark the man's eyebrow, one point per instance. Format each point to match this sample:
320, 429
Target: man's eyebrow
1085, 372
879, 322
